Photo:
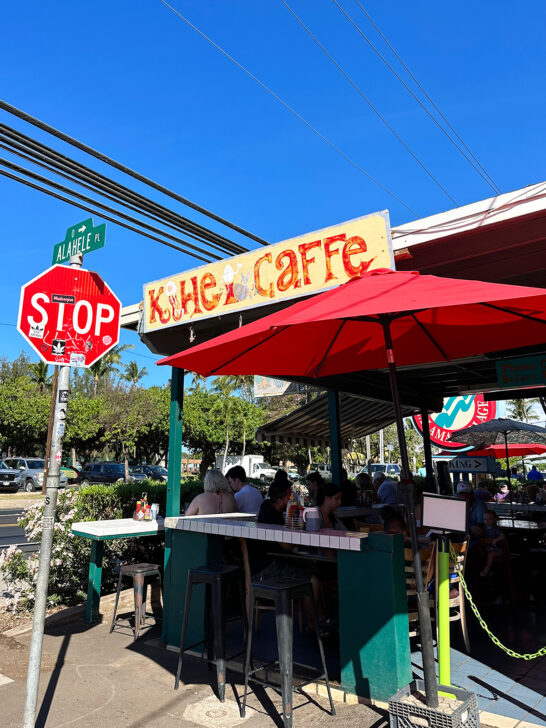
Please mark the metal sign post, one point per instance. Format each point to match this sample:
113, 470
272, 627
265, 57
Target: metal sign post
48, 523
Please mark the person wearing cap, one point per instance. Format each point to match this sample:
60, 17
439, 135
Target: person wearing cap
386, 489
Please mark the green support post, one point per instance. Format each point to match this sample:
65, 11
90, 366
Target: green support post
94, 581
444, 667
173, 479
335, 436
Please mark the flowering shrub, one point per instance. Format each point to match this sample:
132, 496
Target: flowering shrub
70, 554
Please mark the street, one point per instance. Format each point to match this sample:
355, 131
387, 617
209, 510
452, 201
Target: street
11, 533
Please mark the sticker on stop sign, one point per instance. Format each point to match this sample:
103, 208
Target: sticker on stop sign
69, 316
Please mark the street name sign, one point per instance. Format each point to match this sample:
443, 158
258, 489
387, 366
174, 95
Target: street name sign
80, 239
69, 316
472, 464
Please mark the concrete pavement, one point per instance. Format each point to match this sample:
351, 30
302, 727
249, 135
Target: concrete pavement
90, 677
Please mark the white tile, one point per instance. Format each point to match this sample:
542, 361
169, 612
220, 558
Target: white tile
305, 539
270, 535
344, 542
230, 530
262, 534
315, 539
355, 544
214, 528
334, 542
296, 537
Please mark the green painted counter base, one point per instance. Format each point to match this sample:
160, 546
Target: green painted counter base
187, 550
373, 616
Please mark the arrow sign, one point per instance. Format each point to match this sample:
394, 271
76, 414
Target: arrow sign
80, 239
472, 465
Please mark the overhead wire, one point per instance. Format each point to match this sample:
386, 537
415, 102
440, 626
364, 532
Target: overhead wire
475, 164
126, 170
35, 148
288, 107
366, 99
493, 183
100, 205
15, 152
93, 211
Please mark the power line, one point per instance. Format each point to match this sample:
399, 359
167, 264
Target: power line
479, 168
287, 106
36, 149
372, 107
126, 170
63, 188
93, 211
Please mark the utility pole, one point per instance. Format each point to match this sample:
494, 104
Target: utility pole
48, 523
50, 425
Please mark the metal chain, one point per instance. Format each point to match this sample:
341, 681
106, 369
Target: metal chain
492, 637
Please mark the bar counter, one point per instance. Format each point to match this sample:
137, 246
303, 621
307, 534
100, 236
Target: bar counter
373, 617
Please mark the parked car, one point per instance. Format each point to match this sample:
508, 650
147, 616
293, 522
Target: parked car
31, 473
155, 472
392, 469
263, 471
322, 468
105, 472
9, 479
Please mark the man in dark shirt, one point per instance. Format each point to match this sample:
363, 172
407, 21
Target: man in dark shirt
271, 511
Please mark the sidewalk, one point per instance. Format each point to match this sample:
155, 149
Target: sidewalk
90, 677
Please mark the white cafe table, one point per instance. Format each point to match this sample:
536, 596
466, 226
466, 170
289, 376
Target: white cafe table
98, 532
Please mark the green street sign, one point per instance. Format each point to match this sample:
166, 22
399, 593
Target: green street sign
81, 238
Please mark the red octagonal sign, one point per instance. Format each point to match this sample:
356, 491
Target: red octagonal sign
69, 316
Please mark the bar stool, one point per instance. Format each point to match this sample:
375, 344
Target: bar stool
215, 577
282, 592
138, 573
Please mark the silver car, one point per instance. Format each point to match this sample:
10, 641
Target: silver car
8, 479
31, 473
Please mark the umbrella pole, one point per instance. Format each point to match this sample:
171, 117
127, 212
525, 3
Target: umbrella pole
423, 604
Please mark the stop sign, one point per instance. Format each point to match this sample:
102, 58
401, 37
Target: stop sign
69, 316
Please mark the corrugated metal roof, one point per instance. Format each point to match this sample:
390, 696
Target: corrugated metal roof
309, 425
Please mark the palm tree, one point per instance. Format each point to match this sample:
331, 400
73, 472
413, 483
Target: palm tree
522, 409
226, 406
244, 383
107, 365
39, 374
133, 374
198, 384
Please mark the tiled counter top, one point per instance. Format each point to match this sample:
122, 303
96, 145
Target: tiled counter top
117, 528
232, 526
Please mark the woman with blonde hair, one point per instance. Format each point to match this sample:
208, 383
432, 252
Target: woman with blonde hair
216, 498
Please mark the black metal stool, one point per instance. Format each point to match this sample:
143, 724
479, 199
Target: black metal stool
283, 592
138, 573
214, 576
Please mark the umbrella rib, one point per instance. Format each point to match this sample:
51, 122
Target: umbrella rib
332, 342
514, 313
259, 343
430, 336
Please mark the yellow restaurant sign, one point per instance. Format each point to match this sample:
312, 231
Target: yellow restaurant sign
290, 269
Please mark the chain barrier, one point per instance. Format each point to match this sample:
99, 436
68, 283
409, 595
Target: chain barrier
492, 637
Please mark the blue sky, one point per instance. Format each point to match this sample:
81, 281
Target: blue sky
134, 81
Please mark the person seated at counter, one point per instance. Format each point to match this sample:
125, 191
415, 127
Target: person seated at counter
328, 500
366, 489
313, 481
249, 499
386, 489
216, 498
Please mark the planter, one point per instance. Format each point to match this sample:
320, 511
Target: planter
404, 714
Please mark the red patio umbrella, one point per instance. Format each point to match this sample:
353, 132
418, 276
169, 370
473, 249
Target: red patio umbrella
361, 325
514, 450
